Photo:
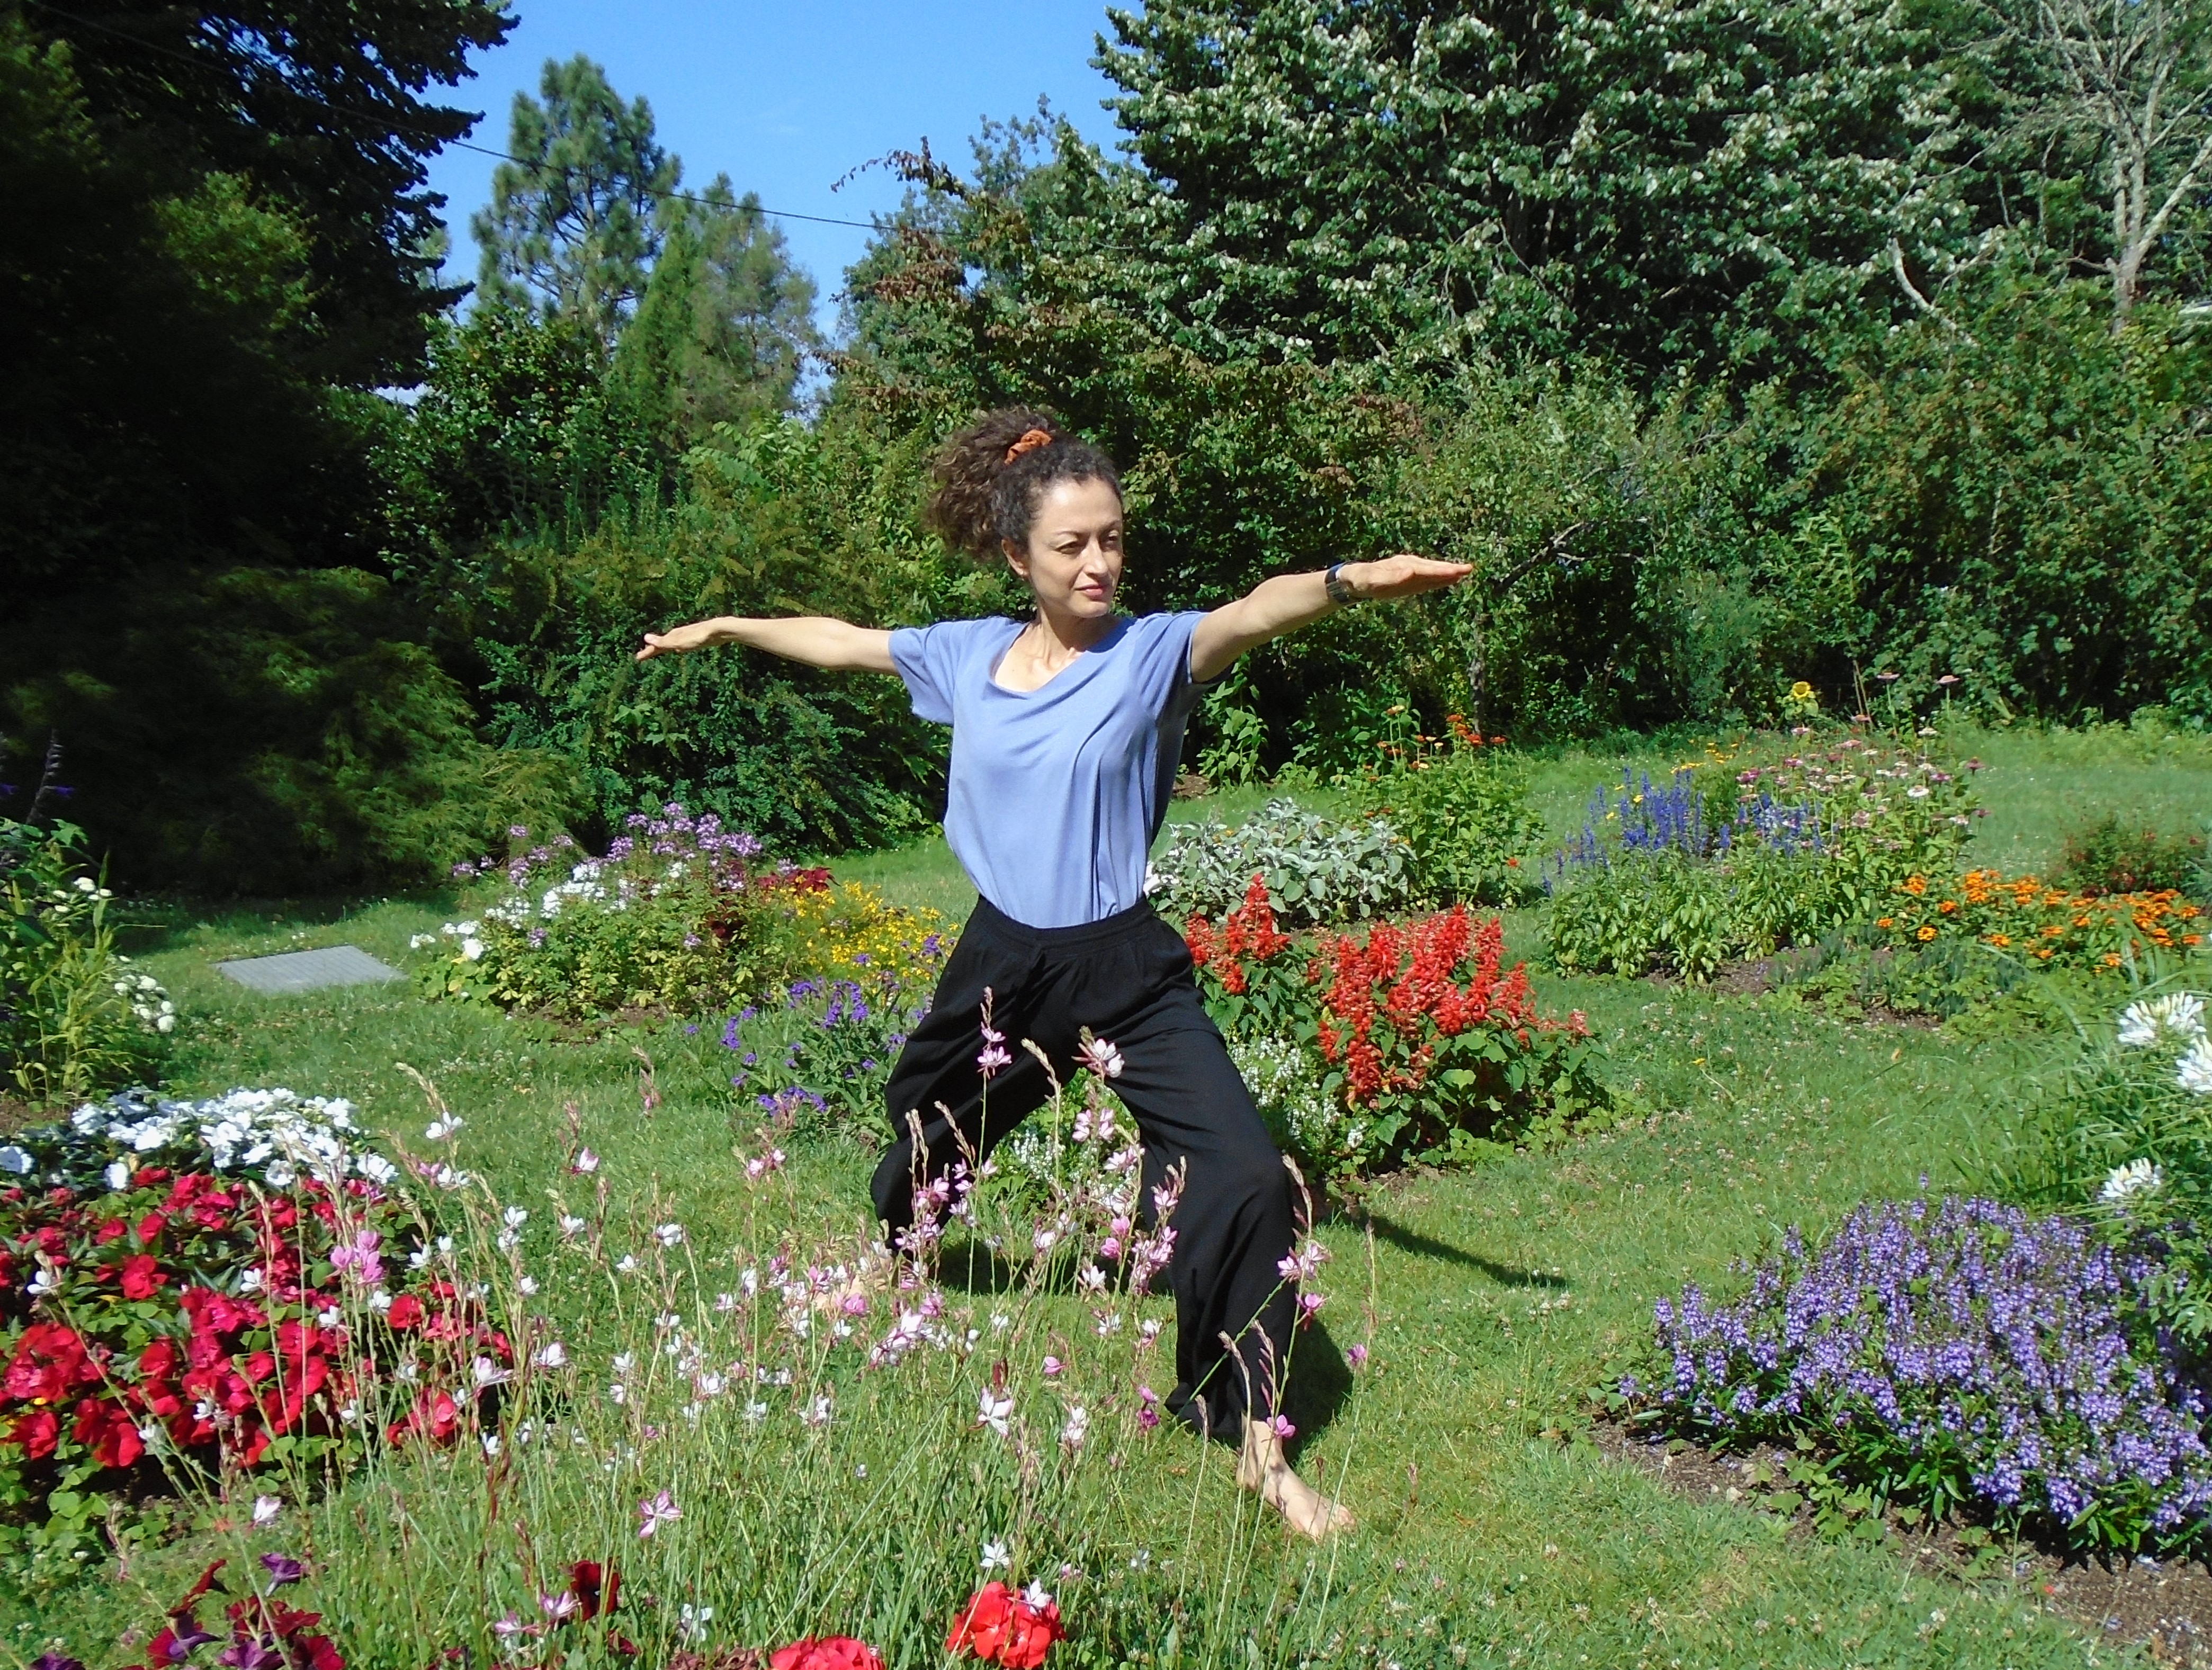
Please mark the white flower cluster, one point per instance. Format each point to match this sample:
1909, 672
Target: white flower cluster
150, 1005
2176, 1018
1282, 1078
274, 1132
2136, 1177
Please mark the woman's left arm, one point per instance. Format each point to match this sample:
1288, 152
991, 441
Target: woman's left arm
1290, 601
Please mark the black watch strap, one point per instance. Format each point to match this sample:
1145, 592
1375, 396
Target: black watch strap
1339, 589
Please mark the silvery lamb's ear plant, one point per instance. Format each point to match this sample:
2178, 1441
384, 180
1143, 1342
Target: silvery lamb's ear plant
1317, 870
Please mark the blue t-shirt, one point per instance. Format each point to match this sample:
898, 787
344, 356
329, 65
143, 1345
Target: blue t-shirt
1055, 793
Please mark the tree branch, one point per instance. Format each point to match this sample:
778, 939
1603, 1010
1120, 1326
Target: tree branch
1904, 278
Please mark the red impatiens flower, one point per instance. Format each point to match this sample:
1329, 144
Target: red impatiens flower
38, 1432
832, 1652
142, 1274
106, 1429
436, 1417
1007, 1627
406, 1312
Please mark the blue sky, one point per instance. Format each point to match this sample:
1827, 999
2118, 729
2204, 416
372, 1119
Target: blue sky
786, 96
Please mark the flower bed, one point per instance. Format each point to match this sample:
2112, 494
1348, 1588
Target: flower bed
826, 1049
1960, 1353
188, 1287
1423, 1035
668, 920
2029, 918
1688, 874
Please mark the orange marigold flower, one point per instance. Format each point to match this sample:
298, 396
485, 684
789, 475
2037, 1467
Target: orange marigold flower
1925, 933
2111, 959
2045, 955
1916, 885
2000, 939
1885, 922
1947, 906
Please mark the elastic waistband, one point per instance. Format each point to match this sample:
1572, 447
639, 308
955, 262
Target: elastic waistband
1120, 926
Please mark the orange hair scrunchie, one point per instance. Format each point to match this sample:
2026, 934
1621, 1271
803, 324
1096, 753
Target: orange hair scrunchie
1030, 440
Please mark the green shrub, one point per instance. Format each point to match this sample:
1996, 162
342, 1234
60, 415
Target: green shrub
1314, 869
2110, 857
254, 730
666, 922
771, 520
1646, 911
75, 1017
1464, 808
1940, 979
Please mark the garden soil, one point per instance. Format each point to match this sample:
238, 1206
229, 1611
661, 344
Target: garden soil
2164, 1606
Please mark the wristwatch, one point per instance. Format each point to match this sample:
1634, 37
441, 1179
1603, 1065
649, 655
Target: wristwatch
1339, 589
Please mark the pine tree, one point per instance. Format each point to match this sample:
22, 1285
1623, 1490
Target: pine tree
575, 225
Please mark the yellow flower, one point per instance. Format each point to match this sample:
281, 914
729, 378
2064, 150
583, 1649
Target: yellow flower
1925, 933
1801, 691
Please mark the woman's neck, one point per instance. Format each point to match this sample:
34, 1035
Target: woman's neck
1056, 639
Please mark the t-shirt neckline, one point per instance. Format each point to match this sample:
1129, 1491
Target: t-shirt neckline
991, 671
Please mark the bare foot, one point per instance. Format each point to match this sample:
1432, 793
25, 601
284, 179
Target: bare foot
1261, 1466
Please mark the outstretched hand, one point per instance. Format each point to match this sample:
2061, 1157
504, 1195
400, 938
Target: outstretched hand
1404, 576
677, 639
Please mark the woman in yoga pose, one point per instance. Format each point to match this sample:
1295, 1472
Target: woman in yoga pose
1067, 732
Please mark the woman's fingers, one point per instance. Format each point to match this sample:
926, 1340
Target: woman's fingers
1406, 575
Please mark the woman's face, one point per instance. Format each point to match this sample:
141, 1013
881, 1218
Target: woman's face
1073, 560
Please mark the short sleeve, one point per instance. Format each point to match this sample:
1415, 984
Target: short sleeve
1168, 662
928, 658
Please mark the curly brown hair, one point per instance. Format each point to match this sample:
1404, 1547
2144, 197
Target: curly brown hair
982, 496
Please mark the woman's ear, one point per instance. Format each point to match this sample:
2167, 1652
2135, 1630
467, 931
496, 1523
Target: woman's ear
1017, 558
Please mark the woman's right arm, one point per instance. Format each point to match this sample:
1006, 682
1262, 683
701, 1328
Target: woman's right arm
816, 639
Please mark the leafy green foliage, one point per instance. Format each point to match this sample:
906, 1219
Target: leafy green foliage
153, 407
1463, 808
1647, 911
256, 729
1311, 868
2022, 503
322, 113
75, 1018
1318, 179
2109, 856
772, 521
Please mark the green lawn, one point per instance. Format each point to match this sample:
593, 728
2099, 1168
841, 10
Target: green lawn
1499, 1296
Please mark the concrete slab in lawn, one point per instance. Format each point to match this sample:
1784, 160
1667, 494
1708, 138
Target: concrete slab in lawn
310, 971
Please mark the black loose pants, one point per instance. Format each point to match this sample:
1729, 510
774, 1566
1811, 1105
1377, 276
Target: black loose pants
1128, 979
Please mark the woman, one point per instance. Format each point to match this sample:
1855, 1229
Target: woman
1066, 732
